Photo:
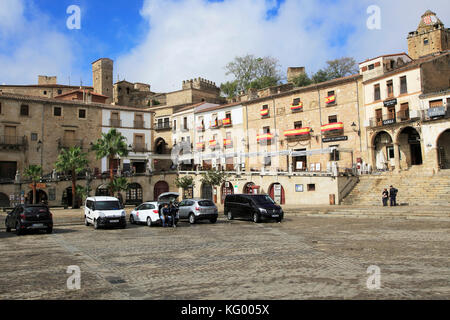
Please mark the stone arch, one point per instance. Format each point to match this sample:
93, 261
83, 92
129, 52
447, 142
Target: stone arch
281, 198
4, 200
207, 191
410, 146
160, 188
383, 150
226, 189
160, 146
247, 187
41, 196
102, 190
443, 149
134, 194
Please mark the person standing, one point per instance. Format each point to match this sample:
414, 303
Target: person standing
165, 214
173, 213
393, 196
385, 197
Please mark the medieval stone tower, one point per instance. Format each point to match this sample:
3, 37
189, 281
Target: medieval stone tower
430, 37
102, 72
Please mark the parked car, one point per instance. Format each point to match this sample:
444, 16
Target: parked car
104, 212
26, 217
198, 209
146, 212
256, 207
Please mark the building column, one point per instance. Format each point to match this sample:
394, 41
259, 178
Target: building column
290, 162
397, 157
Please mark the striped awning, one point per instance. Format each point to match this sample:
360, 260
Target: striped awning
330, 99
264, 137
297, 132
332, 126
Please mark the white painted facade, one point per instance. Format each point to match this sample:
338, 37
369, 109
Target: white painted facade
128, 130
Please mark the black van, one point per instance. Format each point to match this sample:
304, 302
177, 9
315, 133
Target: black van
256, 207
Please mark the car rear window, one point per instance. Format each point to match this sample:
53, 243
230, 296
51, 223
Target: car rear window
206, 203
36, 210
107, 205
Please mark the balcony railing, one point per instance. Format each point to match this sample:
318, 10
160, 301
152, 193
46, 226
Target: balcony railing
12, 141
140, 147
163, 126
116, 123
139, 124
69, 143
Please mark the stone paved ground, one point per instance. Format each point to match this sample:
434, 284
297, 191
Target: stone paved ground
301, 258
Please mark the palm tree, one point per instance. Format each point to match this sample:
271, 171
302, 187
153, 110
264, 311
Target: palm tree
73, 160
111, 145
34, 172
117, 185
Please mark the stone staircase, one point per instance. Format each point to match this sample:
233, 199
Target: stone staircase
414, 189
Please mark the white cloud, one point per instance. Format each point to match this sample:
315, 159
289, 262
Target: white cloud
194, 38
30, 45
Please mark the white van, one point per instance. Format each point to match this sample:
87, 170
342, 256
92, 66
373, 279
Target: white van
104, 212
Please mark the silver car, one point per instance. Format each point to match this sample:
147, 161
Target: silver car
198, 209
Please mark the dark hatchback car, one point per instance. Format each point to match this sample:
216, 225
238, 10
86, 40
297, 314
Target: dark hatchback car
27, 217
256, 207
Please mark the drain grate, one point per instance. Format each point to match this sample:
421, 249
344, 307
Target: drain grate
115, 280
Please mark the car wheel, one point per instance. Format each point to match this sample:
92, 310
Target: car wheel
191, 218
86, 222
49, 230
95, 224
256, 217
230, 215
8, 229
132, 219
149, 222
18, 230
213, 220
279, 220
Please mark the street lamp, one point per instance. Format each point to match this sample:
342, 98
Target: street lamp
354, 128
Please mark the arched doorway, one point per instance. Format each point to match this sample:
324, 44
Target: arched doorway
102, 191
159, 188
160, 146
4, 200
384, 155
227, 188
134, 194
443, 148
207, 191
40, 195
248, 188
276, 192
410, 147
67, 198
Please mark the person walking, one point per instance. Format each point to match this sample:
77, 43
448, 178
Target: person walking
173, 213
385, 197
393, 196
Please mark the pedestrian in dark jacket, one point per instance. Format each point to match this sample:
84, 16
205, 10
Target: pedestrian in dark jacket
393, 196
385, 197
173, 213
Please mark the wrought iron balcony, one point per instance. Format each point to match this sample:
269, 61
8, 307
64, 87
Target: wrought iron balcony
139, 124
140, 147
163, 126
12, 141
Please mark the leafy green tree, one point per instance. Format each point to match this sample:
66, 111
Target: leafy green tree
34, 172
72, 160
118, 184
82, 193
302, 80
111, 145
229, 89
248, 68
320, 76
214, 178
263, 82
341, 67
185, 183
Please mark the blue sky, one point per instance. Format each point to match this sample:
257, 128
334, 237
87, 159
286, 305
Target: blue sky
163, 42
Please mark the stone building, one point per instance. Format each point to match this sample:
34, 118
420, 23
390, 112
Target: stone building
395, 112
430, 37
102, 74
